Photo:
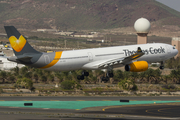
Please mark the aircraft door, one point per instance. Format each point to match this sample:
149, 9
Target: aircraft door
90, 56
47, 60
168, 50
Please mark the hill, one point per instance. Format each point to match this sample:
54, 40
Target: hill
84, 14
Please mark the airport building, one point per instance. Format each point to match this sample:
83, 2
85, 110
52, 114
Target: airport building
7, 65
4, 63
176, 42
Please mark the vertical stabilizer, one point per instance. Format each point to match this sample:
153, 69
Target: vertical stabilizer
18, 42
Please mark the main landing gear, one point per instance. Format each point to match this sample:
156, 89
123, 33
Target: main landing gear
105, 78
109, 74
83, 74
162, 65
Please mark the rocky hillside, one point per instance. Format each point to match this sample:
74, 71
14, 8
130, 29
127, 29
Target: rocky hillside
83, 14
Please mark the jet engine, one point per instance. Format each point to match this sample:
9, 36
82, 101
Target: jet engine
138, 66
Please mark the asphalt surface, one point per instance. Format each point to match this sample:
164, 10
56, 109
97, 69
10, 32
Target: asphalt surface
149, 111
170, 110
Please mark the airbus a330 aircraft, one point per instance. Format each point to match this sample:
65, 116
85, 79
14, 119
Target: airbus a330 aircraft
135, 58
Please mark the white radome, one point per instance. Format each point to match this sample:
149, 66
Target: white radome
142, 25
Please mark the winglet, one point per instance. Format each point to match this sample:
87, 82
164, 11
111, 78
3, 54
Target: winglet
139, 49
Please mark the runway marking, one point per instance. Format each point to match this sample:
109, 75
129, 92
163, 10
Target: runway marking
164, 109
127, 106
110, 107
157, 113
148, 111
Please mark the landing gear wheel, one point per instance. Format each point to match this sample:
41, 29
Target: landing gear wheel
80, 77
110, 75
85, 73
105, 79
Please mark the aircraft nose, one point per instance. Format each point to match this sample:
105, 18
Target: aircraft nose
176, 51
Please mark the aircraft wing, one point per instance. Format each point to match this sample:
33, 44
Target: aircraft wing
124, 60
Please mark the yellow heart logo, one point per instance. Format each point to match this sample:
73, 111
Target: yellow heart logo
17, 44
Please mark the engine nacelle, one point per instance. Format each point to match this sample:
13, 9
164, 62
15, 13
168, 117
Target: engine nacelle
138, 66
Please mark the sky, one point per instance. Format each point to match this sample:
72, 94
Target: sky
175, 4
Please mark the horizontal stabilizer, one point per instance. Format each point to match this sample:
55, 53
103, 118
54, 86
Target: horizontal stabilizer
25, 59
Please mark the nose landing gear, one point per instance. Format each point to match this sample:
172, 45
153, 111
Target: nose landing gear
162, 65
80, 77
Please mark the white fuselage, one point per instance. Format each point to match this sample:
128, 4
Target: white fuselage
90, 58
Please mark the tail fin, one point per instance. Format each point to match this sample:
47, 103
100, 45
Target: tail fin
18, 42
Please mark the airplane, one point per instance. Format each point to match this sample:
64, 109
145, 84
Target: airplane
7, 47
135, 58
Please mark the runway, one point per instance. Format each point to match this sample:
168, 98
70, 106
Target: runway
144, 108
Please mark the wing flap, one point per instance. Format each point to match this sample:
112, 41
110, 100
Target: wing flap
110, 62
